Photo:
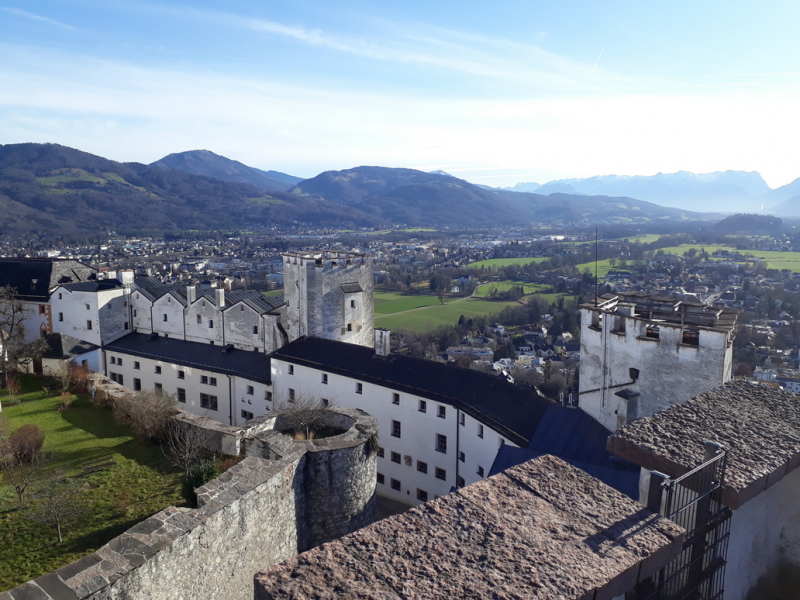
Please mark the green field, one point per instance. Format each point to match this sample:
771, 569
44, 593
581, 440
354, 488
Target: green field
504, 262
434, 316
774, 260
274, 293
140, 484
387, 303
485, 289
603, 267
645, 238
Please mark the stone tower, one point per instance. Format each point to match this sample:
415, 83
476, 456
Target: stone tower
329, 295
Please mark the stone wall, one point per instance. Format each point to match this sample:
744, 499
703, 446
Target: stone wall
258, 513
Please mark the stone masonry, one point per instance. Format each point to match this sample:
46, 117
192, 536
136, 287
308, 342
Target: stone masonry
274, 504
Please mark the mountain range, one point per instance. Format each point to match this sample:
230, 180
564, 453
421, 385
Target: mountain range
48, 188
728, 191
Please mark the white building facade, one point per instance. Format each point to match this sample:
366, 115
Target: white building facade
640, 355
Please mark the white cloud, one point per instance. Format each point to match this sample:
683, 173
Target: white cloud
142, 114
29, 15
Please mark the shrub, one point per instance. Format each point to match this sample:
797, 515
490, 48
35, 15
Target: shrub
199, 475
26, 442
147, 413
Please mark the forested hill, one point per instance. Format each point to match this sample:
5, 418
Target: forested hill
416, 197
47, 188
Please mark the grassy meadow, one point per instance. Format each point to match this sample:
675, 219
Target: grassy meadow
140, 484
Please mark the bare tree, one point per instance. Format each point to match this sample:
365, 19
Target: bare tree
57, 502
303, 415
186, 445
147, 412
19, 465
13, 349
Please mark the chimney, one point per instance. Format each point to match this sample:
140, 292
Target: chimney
191, 294
383, 342
220, 292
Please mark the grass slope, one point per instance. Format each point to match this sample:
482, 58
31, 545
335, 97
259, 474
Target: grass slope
504, 262
139, 485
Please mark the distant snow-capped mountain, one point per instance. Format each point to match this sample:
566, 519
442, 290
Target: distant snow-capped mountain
726, 191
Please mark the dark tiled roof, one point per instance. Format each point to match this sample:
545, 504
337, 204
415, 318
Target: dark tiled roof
20, 273
510, 410
244, 363
93, 286
351, 288
154, 289
61, 345
577, 438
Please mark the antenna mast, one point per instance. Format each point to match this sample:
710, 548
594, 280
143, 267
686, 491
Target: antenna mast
596, 280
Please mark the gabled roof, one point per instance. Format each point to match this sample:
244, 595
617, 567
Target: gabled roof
93, 286
153, 289
510, 410
220, 359
34, 278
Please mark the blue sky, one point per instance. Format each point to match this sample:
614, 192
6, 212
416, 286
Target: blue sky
495, 93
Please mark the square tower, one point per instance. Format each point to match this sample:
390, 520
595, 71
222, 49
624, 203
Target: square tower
329, 295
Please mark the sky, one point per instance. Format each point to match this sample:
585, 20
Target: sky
492, 92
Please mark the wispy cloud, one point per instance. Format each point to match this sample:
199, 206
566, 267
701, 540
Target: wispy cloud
34, 17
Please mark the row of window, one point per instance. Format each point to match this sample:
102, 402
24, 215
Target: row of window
422, 495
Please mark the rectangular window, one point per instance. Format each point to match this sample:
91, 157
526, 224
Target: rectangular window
395, 485
480, 470
135, 313
691, 337
60, 316
88, 307
158, 387
119, 378
480, 431
158, 370
359, 388
652, 332
113, 360
137, 385
349, 327
325, 378
462, 457
210, 324
422, 467
60, 296
182, 395
460, 481
423, 406
250, 390
462, 419
291, 395
395, 398
291, 369
42, 309
212, 381
442, 412
381, 478
199, 319
396, 457
89, 325
246, 415
326, 402
204, 379
381, 452
352, 303
136, 365
164, 317
268, 396
125, 325
396, 429
208, 402
422, 495
181, 375
119, 362
441, 443
441, 474
255, 329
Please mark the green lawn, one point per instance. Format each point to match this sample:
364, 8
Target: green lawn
274, 293
387, 303
139, 485
603, 267
485, 289
774, 260
436, 315
504, 262
645, 238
